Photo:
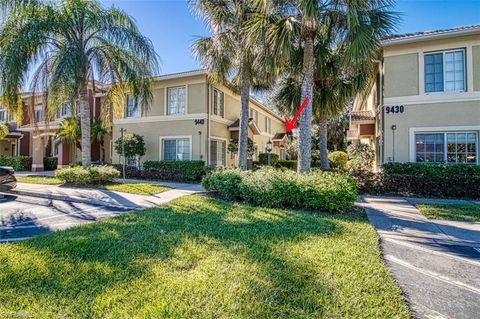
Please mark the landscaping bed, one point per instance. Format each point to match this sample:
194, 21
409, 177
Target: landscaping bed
455, 212
202, 258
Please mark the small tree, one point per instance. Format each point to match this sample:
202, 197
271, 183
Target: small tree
133, 146
362, 157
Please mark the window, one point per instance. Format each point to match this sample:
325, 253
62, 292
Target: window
64, 111
254, 115
454, 147
218, 152
268, 125
56, 144
132, 109
218, 103
176, 149
176, 100
3, 116
38, 115
445, 71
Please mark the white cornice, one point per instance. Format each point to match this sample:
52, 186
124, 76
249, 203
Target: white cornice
162, 118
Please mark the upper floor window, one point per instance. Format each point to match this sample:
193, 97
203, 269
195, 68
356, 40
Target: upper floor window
218, 103
132, 109
3, 116
445, 71
65, 111
268, 125
254, 115
39, 115
176, 100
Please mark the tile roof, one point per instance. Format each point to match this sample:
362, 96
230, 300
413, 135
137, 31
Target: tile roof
362, 116
414, 35
279, 136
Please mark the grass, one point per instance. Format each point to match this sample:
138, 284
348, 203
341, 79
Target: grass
132, 188
462, 213
201, 258
136, 188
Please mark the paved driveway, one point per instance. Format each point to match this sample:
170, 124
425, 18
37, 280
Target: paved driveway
22, 217
437, 264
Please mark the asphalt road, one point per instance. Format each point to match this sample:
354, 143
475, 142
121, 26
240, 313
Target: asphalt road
22, 217
437, 265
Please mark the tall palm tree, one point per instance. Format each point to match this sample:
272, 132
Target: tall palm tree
335, 85
71, 44
290, 24
230, 58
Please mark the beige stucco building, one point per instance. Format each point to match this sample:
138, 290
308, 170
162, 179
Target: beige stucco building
193, 119
425, 103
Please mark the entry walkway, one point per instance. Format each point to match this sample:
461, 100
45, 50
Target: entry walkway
436, 263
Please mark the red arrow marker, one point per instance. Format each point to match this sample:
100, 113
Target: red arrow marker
291, 124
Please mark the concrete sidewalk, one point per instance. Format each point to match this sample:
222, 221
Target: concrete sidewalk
436, 263
104, 197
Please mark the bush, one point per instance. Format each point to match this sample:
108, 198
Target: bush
362, 157
178, 171
225, 183
338, 160
269, 187
19, 163
432, 180
50, 163
263, 158
89, 175
290, 164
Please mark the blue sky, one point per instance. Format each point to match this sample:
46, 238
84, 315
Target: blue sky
172, 26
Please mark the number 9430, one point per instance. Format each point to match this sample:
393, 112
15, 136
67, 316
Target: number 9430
395, 109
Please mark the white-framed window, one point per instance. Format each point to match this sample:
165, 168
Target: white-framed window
445, 71
176, 149
218, 153
254, 115
131, 108
218, 103
176, 100
3, 116
446, 147
56, 145
65, 111
268, 125
39, 115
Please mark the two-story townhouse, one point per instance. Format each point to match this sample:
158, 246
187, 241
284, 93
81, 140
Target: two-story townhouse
191, 118
425, 103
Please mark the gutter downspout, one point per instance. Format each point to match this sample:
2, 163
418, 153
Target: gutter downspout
209, 90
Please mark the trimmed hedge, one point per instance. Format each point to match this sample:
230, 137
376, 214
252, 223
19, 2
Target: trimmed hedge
432, 180
290, 164
19, 163
269, 187
263, 158
177, 171
338, 160
50, 163
90, 175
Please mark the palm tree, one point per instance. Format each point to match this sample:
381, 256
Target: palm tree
230, 58
71, 44
335, 85
4, 130
70, 133
293, 24
98, 134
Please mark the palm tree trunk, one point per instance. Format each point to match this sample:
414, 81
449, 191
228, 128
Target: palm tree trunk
85, 125
243, 129
322, 142
305, 142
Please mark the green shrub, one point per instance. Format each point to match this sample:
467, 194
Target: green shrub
224, 183
180, 171
19, 163
50, 163
290, 164
362, 157
269, 187
338, 160
263, 158
89, 175
432, 180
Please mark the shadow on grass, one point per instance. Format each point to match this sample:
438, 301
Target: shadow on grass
80, 264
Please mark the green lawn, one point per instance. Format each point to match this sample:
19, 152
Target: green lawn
200, 258
133, 188
462, 213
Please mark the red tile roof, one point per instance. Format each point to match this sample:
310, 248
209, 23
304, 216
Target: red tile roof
279, 136
362, 116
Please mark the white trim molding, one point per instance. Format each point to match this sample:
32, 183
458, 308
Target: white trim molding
441, 97
437, 129
161, 118
221, 120
173, 137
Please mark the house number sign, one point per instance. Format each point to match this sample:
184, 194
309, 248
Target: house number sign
199, 122
394, 109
